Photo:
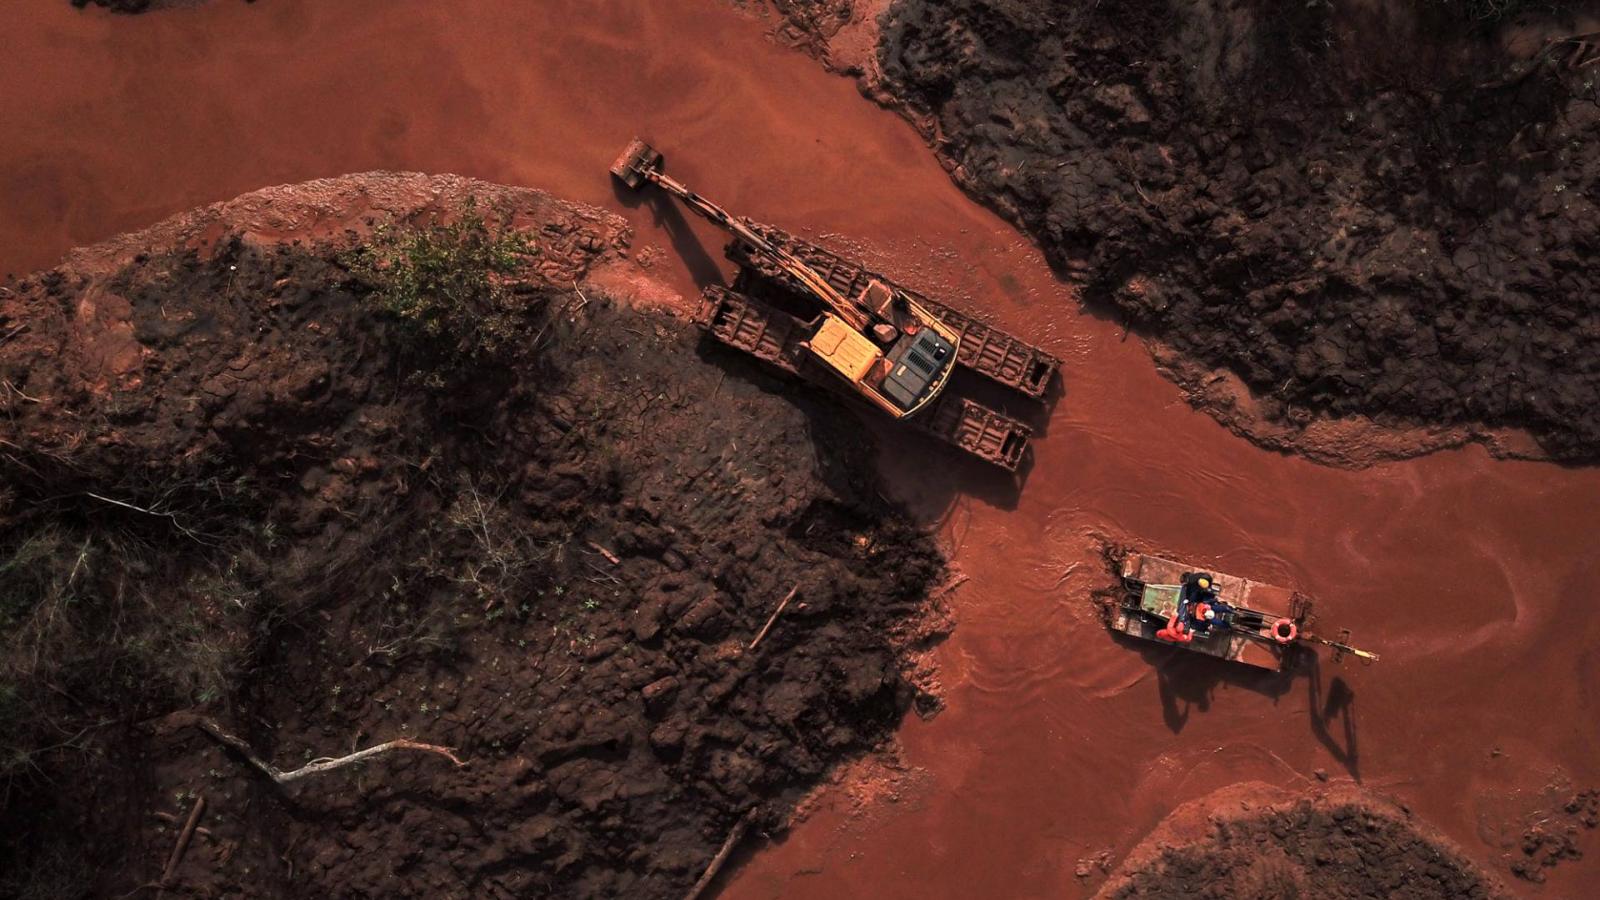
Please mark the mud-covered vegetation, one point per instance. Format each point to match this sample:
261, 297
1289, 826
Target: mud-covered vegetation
1359, 208
248, 508
1337, 849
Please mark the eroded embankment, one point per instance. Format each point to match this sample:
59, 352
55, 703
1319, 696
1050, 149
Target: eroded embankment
1359, 210
234, 485
1253, 840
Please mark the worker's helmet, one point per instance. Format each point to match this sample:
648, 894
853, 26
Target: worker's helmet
1204, 582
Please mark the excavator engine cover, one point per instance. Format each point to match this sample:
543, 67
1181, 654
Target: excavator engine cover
914, 364
844, 349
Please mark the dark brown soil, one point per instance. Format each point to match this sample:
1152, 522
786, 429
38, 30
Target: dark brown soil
122, 6
1359, 208
1252, 841
252, 507
138, 6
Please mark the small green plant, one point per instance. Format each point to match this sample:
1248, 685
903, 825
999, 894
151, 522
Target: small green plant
447, 286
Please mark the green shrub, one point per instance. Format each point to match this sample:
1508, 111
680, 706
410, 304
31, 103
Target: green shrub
447, 286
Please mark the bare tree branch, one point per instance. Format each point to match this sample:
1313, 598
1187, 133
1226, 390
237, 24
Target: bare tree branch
314, 767
183, 841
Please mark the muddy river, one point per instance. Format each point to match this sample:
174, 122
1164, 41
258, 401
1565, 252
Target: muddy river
1469, 575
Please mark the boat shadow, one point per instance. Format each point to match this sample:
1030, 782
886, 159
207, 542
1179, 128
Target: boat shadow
1187, 683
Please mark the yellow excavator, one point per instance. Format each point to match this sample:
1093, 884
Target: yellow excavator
887, 346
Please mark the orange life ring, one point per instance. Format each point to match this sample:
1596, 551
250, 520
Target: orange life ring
1284, 631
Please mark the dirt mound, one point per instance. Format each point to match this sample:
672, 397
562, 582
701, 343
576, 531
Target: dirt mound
1359, 209
1256, 841
234, 484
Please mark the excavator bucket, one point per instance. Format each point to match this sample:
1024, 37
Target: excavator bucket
636, 160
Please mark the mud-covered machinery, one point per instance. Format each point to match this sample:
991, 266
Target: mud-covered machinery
1214, 613
814, 314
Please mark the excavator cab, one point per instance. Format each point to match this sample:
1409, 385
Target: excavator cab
915, 356
915, 364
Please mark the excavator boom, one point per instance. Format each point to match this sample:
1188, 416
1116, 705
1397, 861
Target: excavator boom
640, 163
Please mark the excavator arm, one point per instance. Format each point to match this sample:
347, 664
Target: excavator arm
640, 163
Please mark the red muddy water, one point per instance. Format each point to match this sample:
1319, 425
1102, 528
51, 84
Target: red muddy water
1469, 575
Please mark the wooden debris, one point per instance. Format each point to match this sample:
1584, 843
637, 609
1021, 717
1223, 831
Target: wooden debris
774, 617
316, 766
171, 819
604, 552
734, 837
183, 840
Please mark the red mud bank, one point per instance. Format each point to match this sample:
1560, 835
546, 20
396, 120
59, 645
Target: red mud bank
228, 493
1357, 211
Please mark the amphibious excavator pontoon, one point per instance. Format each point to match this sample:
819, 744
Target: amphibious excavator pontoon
1214, 613
817, 315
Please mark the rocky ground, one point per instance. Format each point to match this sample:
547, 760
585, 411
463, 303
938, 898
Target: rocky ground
1353, 209
1255, 841
237, 487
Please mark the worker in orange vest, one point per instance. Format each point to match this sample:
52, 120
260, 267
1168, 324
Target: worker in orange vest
1176, 631
1198, 610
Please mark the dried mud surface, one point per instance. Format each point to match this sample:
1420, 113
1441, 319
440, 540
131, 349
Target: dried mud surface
554, 567
1363, 213
1252, 840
